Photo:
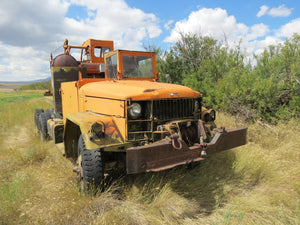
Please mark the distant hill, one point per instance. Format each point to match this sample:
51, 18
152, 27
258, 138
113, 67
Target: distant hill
25, 82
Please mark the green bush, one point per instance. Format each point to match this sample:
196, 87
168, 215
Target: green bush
44, 85
268, 91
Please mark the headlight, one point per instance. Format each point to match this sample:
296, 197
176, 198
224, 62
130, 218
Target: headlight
98, 129
208, 115
134, 110
212, 115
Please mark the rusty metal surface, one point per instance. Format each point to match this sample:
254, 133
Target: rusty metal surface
64, 60
225, 139
61, 75
158, 156
162, 155
56, 129
86, 119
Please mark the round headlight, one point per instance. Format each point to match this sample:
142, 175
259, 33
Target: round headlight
212, 115
97, 129
208, 115
134, 110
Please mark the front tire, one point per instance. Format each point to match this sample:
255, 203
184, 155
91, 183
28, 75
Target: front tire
90, 167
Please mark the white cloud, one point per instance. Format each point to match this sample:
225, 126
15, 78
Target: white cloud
34, 28
23, 64
115, 20
224, 27
289, 29
256, 31
258, 46
280, 11
31, 23
263, 10
220, 26
209, 22
168, 25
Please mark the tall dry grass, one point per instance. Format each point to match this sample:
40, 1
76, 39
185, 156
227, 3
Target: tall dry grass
255, 184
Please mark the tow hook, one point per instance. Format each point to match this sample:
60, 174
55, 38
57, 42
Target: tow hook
175, 138
203, 151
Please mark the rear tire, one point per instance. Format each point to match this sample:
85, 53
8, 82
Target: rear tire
49, 113
36, 117
43, 130
90, 167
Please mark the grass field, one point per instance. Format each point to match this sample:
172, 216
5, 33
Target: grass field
17, 96
255, 184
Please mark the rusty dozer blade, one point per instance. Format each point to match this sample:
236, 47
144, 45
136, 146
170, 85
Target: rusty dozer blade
162, 155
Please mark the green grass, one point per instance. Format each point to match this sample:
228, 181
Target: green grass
16, 96
20, 151
253, 184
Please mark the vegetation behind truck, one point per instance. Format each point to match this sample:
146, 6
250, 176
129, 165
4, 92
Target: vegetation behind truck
111, 114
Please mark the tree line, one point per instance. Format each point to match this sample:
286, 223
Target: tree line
265, 87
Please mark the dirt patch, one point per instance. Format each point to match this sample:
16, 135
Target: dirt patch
17, 139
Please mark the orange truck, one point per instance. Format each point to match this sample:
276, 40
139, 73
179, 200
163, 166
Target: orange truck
112, 114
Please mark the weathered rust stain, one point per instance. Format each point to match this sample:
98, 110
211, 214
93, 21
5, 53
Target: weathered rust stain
162, 155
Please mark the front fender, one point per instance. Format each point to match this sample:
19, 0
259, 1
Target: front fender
85, 120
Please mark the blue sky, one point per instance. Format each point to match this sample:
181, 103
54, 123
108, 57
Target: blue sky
28, 34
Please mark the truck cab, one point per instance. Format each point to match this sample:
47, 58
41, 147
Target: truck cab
113, 114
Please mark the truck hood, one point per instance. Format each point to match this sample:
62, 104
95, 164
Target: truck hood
136, 90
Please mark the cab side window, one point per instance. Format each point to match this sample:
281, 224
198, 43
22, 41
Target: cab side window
111, 65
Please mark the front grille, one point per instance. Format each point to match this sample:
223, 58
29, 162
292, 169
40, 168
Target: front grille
157, 112
169, 109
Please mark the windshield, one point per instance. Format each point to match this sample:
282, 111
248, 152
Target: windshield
137, 66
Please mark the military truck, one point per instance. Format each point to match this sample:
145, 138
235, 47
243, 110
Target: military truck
111, 113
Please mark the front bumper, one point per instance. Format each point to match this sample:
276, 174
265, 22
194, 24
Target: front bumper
162, 155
